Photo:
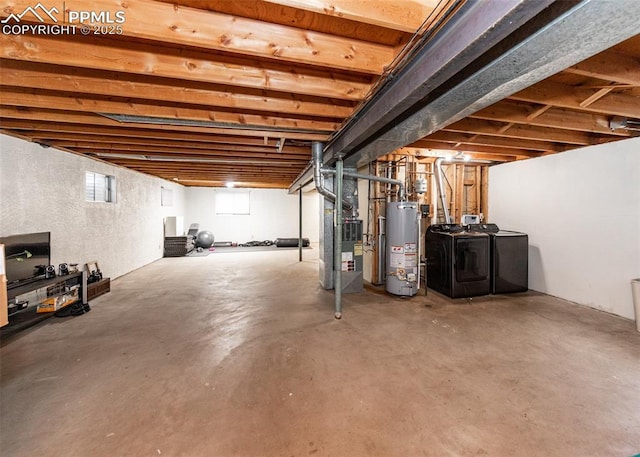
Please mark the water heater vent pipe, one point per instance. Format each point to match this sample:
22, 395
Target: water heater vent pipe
441, 192
316, 151
401, 192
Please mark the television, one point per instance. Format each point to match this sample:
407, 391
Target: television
26, 257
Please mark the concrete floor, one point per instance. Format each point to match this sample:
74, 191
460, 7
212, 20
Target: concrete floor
239, 355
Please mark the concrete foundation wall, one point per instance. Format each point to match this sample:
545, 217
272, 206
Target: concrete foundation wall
581, 210
42, 190
273, 214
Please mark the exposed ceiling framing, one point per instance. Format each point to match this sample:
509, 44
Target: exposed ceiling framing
216, 91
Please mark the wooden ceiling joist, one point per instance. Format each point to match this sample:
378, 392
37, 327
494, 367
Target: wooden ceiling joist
610, 66
488, 140
241, 89
161, 22
257, 184
143, 59
516, 112
42, 99
247, 151
163, 138
23, 118
564, 96
179, 153
279, 167
434, 144
526, 132
207, 143
30, 75
406, 16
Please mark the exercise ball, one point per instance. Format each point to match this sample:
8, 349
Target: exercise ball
204, 239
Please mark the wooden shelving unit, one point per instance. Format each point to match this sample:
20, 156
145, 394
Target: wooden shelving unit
28, 317
95, 289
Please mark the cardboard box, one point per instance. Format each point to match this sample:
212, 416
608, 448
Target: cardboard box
55, 303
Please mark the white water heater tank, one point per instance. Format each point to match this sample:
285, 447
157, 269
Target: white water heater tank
402, 254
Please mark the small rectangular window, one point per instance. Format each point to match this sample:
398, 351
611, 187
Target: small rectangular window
166, 197
99, 187
233, 202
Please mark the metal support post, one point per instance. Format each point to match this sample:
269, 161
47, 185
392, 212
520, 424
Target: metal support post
337, 240
300, 225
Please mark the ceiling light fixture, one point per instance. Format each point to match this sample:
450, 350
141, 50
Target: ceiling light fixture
625, 123
230, 184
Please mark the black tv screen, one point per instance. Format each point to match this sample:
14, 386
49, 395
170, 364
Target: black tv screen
25, 256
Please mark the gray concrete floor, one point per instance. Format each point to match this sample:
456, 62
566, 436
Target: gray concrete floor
239, 355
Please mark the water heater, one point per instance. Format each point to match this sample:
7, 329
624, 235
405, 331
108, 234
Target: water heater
402, 255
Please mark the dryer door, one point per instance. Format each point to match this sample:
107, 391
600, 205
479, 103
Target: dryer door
472, 259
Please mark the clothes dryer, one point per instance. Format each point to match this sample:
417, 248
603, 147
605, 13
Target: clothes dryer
457, 261
509, 258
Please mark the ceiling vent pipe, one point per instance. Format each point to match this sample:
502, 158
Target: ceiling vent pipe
316, 152
441, 192
402, 195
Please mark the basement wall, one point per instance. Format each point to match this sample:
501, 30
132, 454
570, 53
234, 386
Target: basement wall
42, 190
273, 213
581, 209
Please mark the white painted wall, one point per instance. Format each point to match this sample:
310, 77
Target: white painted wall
581, 210
42, 190
273, 214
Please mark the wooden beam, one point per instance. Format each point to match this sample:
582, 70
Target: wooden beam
481, 156
249, 153
262, 166
596, 96
187, 182
526, 132
256, 158
43, 99
538, 111
31, 75
504, 128
132, 137
197, 169
611, 66
66, 121
565, 96
264, 170
165, 23
169, 62
91, 139
515, 112
488, 140
267, 11
432, 144
406, 16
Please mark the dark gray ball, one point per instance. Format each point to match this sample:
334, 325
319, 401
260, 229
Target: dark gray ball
204, 239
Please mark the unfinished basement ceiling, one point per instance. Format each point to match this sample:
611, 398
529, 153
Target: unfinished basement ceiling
207, 92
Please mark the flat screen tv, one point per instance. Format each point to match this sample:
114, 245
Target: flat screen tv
26, 256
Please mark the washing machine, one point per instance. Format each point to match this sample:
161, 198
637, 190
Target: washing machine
457, 261
509, 258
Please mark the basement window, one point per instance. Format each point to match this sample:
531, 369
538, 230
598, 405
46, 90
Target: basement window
232, 202
166, 196
99, 187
